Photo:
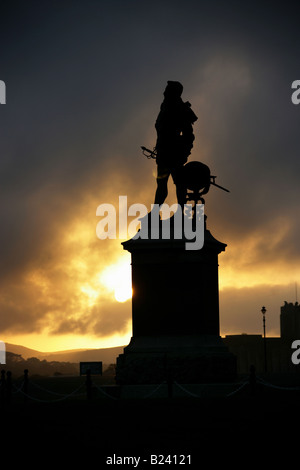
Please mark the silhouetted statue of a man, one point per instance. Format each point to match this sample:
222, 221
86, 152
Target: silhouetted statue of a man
174, 126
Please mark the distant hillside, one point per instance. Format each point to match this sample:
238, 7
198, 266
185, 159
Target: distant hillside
106, 355
25, 352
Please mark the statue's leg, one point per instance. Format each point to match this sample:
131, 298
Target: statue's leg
162, 185
181, 194
180, 187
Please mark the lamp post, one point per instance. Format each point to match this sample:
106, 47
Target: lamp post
263, 311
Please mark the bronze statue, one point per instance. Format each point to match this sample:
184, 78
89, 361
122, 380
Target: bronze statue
175, 137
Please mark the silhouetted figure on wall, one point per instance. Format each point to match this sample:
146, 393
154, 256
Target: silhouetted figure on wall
174, 126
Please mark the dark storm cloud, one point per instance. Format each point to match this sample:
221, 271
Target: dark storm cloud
100, 321
84, 85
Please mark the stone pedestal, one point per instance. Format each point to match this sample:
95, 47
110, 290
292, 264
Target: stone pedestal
175, 315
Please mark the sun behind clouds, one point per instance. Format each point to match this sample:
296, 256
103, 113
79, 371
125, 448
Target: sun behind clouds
117, 278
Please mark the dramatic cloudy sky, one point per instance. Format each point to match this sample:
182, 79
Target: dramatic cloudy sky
84, 84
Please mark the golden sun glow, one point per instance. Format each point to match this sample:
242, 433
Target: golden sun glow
91, 294
117, 278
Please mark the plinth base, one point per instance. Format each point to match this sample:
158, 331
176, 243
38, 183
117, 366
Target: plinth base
183, 359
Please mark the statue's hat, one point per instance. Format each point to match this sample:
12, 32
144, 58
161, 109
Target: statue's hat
175, 87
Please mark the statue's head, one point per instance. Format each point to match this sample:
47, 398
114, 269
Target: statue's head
173, 90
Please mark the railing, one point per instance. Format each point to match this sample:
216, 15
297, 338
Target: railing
86, 389
8, 390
